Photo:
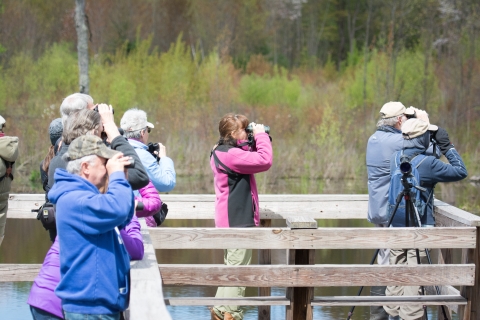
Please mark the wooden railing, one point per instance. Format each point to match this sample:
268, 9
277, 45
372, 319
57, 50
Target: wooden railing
456, 229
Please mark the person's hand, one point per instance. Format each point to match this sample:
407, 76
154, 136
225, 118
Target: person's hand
109, 126
258, 128
162, 150
422, 115
410, 112
117, 163
443, 140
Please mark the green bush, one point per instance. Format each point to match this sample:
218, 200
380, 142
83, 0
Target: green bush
276, 89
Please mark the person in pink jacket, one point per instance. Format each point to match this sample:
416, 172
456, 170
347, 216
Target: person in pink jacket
148, 203
234, 161
44, 304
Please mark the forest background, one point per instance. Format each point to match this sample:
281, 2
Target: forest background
317, 72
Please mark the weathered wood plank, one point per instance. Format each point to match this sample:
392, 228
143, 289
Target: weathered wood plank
18, 272
296, 222
456, 214
472, 310
444, 221
321, 238
210, 301
146, 295
316, 275
264, 258
383, 300
195, 206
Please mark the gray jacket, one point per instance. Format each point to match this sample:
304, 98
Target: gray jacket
381, 145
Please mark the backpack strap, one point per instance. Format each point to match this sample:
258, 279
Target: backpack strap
219, 164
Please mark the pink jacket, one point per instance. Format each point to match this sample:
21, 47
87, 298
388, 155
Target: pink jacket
236, 203
149, 203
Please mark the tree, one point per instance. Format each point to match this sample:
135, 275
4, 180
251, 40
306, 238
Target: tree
82, 45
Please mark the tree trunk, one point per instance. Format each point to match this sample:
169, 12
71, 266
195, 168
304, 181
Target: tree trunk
82, 45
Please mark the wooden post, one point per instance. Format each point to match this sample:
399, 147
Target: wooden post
444, 257
472, 310
264, 257
300, 297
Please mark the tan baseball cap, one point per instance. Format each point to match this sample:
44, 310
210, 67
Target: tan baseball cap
392, 109
89, 145
414, 127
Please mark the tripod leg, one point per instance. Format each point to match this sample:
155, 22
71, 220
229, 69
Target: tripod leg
397, 203
427, 253
411, 211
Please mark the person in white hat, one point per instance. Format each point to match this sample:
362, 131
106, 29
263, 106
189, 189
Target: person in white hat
416, 134
8, 155
159, 167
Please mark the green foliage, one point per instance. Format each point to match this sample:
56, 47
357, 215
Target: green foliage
402, 79
35, 179
55, 71
277, 89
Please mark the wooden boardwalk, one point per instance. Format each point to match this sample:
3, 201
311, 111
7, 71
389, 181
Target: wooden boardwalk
455, 230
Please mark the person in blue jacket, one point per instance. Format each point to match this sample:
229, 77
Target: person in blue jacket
160, 170
431, 170
94, 263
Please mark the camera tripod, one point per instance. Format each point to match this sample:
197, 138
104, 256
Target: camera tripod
411, 214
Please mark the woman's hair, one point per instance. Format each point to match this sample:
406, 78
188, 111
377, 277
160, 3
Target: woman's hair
48, 158
79, 124
228, 124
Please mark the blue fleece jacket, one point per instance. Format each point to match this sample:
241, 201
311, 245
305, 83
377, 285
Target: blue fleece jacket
161, 173
432, 171
94, 264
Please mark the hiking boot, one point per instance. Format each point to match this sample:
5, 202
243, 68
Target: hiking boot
214, 315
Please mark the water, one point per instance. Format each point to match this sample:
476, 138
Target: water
27, 242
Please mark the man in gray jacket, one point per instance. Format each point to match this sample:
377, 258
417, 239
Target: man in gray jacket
386, 140
8, 155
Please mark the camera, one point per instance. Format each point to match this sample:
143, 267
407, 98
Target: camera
249, 128
96, 109
405, 165
152, 147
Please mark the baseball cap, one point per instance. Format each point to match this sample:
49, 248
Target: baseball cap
134, 120
414, 127
392, 109
89, 145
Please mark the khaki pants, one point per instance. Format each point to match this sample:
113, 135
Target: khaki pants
233, 257
3, 216
405, 257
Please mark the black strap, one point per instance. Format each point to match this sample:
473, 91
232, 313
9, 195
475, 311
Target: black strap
218, 163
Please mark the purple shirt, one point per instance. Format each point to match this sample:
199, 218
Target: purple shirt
42, 295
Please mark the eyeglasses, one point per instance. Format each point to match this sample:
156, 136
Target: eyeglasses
149, 129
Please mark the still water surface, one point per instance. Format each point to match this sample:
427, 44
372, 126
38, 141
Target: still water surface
27, 242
